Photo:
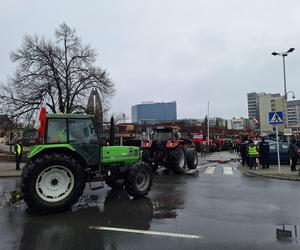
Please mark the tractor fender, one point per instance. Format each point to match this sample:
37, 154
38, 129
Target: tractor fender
172, 144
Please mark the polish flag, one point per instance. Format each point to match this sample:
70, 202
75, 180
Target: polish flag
40, 120
255, 120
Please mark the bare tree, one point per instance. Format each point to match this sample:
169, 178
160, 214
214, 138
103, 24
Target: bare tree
64, 70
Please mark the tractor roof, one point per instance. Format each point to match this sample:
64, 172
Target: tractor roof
69, 116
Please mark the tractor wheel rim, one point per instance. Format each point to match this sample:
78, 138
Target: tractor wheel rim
142, 180
54, 183
181, 161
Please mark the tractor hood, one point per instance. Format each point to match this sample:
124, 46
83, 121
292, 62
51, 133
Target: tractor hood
116, 154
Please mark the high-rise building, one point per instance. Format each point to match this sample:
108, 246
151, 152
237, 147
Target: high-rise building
253, 104
154, 112
294, 114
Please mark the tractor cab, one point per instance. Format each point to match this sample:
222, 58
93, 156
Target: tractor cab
165, 134
75, 130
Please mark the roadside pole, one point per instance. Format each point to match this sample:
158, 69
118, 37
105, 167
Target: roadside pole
278, 155
276, 118
208, 123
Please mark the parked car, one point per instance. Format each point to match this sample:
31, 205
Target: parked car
283, 152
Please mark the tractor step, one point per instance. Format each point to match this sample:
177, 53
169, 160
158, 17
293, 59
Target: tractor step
93, 188
95, 176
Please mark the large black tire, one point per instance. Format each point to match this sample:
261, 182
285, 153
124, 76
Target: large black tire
116, 183
177, 160
52, 183
139, 180
191, 158
146, 157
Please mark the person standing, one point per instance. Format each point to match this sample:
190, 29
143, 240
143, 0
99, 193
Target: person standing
19, 153
293, 154
252, 154
243, 152
264, 149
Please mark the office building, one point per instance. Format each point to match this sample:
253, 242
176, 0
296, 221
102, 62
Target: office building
294, 114
152, 112
238, 123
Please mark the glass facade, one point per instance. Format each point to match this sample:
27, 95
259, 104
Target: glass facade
154, 112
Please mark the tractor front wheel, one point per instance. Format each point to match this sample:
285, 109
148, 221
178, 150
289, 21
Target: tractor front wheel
177, 160
139, 180
191, 158
52, 183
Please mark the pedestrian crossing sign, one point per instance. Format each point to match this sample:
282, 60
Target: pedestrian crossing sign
276, 118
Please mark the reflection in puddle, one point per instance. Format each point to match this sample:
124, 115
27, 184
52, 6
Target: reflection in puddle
287, 233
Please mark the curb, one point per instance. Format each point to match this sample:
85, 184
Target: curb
248, 173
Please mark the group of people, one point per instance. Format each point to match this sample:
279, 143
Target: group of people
253, 155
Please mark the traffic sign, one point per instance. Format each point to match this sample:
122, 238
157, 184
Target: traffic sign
275, 118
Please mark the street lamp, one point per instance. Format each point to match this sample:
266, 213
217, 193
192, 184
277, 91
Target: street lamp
284, 54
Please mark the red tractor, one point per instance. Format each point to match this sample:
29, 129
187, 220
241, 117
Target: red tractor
167, 148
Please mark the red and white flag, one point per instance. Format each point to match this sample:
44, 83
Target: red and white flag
40, 120
255, 120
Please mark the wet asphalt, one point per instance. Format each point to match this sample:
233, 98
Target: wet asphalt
225, 211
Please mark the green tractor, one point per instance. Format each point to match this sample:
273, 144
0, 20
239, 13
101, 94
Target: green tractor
57, 171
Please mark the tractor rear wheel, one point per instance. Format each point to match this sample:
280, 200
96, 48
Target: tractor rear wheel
139, 180
191, 158
116, 183
52, 183
177, 160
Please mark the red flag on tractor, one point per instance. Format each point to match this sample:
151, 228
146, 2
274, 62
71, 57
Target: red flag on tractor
40, 120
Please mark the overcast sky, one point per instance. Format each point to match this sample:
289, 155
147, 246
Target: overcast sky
190, 51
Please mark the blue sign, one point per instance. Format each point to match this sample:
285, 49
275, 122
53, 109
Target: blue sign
276, 118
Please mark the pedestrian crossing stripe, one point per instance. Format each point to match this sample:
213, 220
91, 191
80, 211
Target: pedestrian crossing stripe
276, 118
226, 170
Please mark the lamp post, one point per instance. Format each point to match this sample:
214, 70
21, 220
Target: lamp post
284, 54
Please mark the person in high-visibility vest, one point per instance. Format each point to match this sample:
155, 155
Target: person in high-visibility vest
252, 154
19, 153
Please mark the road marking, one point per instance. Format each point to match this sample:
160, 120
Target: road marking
227, 170
209, 170
116, 229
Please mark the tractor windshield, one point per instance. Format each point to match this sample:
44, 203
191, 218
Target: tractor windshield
81, 130
56, 131
162, 135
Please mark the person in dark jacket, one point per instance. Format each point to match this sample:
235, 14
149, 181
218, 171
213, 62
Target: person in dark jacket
264, 149
243, 152
19, 153
293, 154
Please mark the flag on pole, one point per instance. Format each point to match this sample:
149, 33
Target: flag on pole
40, 120
255, 120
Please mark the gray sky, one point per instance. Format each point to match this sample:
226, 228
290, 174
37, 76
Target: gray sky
190, 51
